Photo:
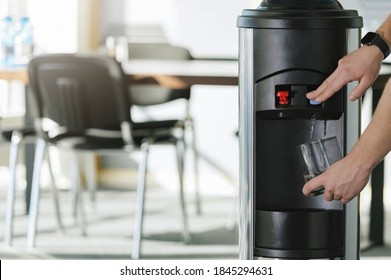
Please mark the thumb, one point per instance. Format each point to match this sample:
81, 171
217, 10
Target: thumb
312, 185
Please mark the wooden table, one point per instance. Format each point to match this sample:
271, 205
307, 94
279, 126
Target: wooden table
17, 74
182, 74
170, 74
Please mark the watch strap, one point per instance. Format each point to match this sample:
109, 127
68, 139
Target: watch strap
376, 40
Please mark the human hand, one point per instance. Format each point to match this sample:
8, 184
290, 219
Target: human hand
343, 181
362, 65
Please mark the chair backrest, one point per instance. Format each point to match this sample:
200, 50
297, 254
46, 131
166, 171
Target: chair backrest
79, 92
145, 95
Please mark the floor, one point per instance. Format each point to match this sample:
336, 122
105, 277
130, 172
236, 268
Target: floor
110, 223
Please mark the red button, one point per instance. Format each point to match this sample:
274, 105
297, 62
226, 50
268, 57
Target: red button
283, 97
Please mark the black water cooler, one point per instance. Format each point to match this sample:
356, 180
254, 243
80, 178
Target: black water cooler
288, 48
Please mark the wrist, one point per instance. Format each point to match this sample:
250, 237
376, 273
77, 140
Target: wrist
385, 36
359, 169
388, 41
384, 30
375, 52
359, 158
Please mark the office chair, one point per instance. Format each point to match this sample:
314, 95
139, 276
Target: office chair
147, 96
86, 98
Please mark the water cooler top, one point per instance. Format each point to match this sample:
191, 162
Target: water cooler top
300, 4
299, 14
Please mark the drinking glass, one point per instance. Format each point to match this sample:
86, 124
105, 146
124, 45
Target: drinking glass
316, 156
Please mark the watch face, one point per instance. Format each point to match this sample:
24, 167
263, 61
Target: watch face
369, 38
372, 38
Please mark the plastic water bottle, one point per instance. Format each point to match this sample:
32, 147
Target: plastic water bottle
7, 36
24, 42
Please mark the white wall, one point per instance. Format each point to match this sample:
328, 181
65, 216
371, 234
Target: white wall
55, 24
60, 25
207, 28
373, 12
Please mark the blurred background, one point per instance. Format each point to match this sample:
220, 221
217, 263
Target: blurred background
208, 30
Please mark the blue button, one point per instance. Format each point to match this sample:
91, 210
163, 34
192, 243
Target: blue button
313, 102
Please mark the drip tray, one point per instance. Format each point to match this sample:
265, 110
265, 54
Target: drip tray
299, 234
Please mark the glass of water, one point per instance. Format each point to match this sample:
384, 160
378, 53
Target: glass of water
316, 156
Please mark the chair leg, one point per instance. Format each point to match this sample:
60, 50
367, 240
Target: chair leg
73, 194
35, 193
76, 187
180, 159
55, 194
196, 170
140, 199
78, 195
90, 171
9, 216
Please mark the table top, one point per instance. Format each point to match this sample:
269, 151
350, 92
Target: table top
14, 74
171, 74
182, 73
210, 68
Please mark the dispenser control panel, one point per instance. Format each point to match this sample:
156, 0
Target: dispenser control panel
295, 96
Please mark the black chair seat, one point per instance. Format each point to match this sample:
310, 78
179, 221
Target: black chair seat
157, 131
157, 124
87, 142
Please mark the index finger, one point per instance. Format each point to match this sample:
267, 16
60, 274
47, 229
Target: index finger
329, 87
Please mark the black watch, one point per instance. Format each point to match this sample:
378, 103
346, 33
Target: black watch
372, 38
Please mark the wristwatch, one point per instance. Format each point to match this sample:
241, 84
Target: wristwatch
373, 38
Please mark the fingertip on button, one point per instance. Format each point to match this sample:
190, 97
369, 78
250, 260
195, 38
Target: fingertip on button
314, 102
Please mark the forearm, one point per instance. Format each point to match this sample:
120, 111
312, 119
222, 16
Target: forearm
346, 178
375, 142
385, 30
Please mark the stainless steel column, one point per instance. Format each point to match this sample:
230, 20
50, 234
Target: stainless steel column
246, 130
353, 111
